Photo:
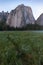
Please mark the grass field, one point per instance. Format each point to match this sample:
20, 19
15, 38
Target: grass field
21, 48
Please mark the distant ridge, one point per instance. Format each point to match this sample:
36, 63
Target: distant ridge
40, 20
3, 15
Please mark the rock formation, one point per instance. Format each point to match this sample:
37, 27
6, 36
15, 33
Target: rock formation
40, 20
20, 17
3, 15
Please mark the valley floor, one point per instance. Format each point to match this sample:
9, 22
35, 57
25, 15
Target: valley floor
21, 48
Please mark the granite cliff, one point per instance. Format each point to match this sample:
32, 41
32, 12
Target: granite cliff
20, 17
39, 21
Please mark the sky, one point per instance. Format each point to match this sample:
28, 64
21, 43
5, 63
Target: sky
36, 5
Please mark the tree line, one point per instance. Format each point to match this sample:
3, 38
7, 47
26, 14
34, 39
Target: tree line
5, 27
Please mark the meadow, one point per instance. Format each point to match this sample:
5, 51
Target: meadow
21, 48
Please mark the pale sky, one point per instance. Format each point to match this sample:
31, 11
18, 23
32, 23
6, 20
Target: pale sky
36, 5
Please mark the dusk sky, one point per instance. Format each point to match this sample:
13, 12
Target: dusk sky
36, 5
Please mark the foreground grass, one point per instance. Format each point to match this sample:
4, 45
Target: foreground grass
21, 48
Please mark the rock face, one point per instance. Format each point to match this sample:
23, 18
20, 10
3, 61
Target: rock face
3, 15
20, 17
40, 20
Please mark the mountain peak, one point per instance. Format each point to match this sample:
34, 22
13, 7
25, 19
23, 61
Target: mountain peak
21, 5
20, 16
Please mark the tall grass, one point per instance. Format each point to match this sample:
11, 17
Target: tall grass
21, 48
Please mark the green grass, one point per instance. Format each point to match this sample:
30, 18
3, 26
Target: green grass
21, 48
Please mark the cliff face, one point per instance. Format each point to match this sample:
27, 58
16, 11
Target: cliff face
40, 20
20, 17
